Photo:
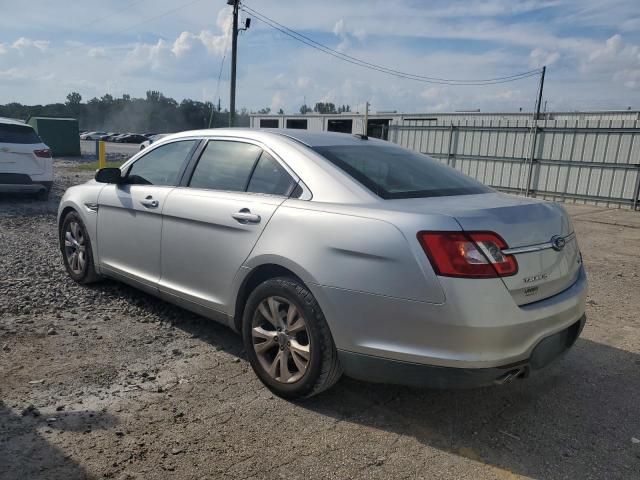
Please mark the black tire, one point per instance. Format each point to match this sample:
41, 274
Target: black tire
88, 273
323, 369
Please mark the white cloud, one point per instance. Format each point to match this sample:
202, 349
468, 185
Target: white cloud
97, 52
24, 45
617, 60
339, 28
539, 57
179, 55
303, 82
277, 101
13, 74
431, 93
191, 56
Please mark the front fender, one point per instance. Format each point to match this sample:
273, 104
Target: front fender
84, 200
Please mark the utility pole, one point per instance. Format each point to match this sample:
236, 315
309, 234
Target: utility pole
366, 119
234, 55
539, 103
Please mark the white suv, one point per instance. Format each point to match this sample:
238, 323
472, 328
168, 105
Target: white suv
26, 164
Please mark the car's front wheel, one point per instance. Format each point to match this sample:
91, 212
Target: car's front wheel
75, 245
288, 341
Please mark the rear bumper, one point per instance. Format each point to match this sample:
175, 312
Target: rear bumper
18, 183
479, 325
32, 187
384, 370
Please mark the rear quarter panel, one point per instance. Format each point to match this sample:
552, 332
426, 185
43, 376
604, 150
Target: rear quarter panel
339, 247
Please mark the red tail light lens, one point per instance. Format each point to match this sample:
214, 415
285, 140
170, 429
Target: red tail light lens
44, 153
468, 254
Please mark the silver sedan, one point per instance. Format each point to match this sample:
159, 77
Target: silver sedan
334, 253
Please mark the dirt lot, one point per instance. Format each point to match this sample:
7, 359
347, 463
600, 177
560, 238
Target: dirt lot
107, 382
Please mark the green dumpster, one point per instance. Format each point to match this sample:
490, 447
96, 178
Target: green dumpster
60, 134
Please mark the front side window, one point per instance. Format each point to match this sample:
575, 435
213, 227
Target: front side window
392, 172
225, 165
270, 177
162, 165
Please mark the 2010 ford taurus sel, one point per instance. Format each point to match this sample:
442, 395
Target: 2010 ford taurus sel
334, 253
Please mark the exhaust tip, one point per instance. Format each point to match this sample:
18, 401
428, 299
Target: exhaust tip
510, 376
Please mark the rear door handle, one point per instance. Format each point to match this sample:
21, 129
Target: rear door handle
149, 202
245, 216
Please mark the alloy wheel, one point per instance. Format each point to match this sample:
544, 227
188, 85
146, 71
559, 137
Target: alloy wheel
75, 247
281, 340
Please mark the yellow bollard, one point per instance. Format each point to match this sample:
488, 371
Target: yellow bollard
102, 155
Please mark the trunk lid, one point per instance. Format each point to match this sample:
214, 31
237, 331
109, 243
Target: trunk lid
528, 227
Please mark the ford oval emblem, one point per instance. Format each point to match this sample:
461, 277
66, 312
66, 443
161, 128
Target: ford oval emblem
558, 243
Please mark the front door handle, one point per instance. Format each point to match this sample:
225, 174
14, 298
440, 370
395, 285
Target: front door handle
245, 216
149, 202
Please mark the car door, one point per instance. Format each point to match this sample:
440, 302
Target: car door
130, 214
213, 221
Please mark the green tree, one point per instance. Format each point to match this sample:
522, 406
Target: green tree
73, 99
322, 107
153, 113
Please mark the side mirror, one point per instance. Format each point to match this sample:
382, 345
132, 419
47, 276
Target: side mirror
109, 175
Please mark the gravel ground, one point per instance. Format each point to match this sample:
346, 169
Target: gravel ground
107, 382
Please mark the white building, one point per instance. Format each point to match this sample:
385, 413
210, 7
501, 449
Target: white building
352, 122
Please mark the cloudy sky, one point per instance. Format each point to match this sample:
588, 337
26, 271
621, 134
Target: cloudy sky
591, 49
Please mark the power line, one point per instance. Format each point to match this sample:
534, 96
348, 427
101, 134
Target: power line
102, 19
226, 47
164, 14
362, 63
180, 7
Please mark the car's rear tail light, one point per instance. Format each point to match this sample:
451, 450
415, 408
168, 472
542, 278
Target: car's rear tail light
468, 254
43, 153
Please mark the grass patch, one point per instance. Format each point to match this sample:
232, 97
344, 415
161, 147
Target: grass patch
92, 166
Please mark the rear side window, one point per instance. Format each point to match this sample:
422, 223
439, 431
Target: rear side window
162, 165
269, 177
18, 134
392, 172
225, 166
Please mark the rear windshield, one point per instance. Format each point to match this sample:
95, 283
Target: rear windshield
18, 134
392, 172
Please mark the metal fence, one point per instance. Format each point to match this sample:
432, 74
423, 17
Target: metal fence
587, 161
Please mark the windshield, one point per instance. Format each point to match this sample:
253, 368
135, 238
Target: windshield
10, 133
392, 172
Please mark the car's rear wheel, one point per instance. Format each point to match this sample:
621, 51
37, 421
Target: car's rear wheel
288, 341
43, 194
76, 249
